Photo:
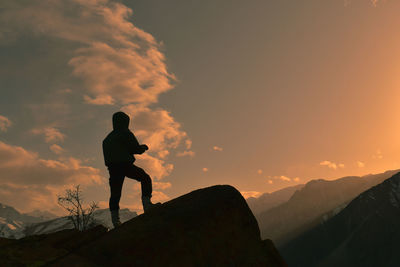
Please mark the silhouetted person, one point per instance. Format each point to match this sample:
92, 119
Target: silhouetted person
119, 148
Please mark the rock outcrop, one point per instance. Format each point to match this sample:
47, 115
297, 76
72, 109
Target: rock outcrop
207, 227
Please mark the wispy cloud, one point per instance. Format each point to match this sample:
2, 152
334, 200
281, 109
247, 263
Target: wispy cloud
248, 194
332, 165
116, 63
285, 178
360, 164
378, 154
217, 148
185, 153
5, 123
159, 130
157, 168
159, 196
19, 165
259, 171
37, 181
56, 149
51, 134
270, 179
161, 185
163, 153
373, 2
205, 169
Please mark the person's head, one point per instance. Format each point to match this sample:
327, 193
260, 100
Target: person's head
120, 120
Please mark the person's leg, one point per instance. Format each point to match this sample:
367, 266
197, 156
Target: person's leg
134, 172
116, 181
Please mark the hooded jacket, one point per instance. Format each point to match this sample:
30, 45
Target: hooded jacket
120, 145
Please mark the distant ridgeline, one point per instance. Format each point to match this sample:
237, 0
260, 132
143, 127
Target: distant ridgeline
365, 233
14, 224
296, 210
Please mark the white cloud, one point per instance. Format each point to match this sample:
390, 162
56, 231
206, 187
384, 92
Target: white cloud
285, 178
155, 167
378, 154
117, 61
28, 181
159, 130
248, 194
156, 128
20, 166
5, 123
185, 153
158, 196
217, 148
163, 153
161, 185
56, 149
373, 2
332, 165
282, 178
188, 143
360, 164
51, 134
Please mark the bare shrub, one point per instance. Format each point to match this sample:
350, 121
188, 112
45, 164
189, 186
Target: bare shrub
72, 201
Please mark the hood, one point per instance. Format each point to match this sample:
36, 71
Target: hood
120, 121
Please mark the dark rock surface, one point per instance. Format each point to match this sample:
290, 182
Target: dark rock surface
207, 227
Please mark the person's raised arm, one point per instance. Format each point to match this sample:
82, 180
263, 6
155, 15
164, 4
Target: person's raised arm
134, 146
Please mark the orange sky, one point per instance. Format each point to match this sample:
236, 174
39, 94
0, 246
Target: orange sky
260, 95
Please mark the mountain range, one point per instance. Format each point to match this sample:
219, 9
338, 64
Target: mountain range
14, 224
365, 233
270, 200
312, 203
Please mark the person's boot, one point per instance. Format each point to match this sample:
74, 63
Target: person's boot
115, 218
147, 205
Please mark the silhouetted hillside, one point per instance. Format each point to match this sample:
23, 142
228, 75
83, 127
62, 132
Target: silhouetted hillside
366, 233
317, 201
207, 227
270, 200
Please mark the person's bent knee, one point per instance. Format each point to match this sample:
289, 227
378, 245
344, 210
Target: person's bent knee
147, 178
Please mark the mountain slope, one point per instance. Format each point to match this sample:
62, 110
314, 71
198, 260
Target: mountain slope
365, 233
102, 217
315, 202
208, 227
269, 200
13, 222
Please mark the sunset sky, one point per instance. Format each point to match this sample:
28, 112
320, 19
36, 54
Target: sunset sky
257, 94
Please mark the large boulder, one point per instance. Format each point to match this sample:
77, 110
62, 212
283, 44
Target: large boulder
207, 227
